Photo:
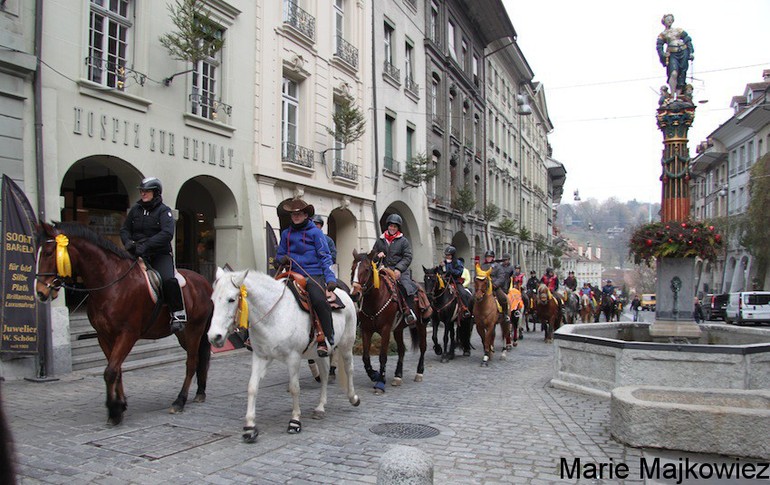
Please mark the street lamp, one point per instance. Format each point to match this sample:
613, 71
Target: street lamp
524, 109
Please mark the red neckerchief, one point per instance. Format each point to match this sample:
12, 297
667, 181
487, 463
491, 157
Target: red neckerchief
390, 238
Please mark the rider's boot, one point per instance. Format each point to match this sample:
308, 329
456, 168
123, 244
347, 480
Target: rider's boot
328, 329
411, 318
173, 296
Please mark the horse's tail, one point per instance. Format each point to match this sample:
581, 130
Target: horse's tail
415, 338
204, 352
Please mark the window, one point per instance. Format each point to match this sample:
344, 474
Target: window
451, 39
434, 98
463, 54
289, 115
434, 23
475, 69
339, 23
109, 25
409, 143
205, 99
450, 114
390, 163
388, 43
409, 63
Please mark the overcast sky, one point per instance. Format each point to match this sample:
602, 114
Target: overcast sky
601, 73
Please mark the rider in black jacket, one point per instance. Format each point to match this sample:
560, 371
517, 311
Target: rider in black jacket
147, 233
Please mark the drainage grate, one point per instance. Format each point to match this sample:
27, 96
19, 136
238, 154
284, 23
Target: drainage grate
404, 430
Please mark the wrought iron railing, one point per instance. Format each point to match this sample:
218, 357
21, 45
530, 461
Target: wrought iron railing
299, 19
347, 52
209, 106
293, 153
437, 121
391, 70
345, 170
114, 69
411, 86
392, 165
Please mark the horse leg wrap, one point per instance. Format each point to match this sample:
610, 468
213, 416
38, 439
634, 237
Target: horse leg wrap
250, 434
373, 375
295, 427
379, 385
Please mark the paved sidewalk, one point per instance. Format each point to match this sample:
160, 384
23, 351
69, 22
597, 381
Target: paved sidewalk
502, 424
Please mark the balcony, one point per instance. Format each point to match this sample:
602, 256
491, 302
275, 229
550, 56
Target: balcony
392, 165
346, 52
299, 19
392, 72
210, 107
411, 87
345, 170
293, 154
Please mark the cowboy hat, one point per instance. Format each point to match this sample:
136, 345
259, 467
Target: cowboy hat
299, 205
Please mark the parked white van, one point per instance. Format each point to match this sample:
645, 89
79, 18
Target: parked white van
748, 307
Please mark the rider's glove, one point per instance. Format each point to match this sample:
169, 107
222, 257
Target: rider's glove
139, 251
130, 246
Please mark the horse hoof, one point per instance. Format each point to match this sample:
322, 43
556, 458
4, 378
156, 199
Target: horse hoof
396, 382
318, 378
379, 388
176, 409
504, 355
250, 434
356, 401
466, 353
515, 344
444, 359
484, 364
200, 398
319, 414
295, 427
437, 349
418, 378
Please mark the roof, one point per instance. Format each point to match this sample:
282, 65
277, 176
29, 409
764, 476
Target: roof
491, 18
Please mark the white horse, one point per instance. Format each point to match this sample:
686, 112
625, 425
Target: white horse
280, 330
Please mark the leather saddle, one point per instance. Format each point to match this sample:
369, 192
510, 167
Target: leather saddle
297, 284
154, 282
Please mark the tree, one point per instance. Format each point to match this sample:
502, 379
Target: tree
491, 212
349, 122
197, 36
417, 170
507, 226
755, 229
465, 200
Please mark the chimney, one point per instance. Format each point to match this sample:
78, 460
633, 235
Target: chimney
598, 253
588, 252
580, 251
766, 75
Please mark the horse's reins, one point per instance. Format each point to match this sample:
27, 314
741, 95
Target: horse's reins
64, 268
243, 296
365, 290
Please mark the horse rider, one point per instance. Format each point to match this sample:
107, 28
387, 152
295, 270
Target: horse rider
518, 275
319, 223
588, 291
303, 247
466, 274
454, 270
395, 251
147, 233
532, 282
516, 300
550, 280
570, 281
498, 277
609, 289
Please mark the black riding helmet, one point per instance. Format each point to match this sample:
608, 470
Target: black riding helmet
394, 219
489, 253
318, 220
151, 183
450, 250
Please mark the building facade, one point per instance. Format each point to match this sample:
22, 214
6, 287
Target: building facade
720, 186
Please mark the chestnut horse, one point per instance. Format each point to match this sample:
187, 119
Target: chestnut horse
548, 311
586, 309
120, 306
375, 292
486, 315
444, 298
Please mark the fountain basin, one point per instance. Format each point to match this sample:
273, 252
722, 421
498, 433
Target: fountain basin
597, 357
725, 422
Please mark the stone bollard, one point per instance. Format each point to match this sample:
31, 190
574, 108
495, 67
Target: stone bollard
405, 465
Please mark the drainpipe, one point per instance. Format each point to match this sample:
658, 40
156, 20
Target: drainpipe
375, 138
44, 345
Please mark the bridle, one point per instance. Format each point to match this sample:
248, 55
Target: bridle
373, 282
64, 268
444, 289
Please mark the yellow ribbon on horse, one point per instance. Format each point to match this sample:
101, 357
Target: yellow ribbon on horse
242, 313
375, 276
63, 263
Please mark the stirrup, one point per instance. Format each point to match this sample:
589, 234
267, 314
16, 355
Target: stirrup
411, 319
323, 350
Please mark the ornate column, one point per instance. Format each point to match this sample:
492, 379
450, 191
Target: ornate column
675, 116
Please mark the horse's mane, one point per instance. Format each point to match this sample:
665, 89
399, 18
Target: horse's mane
74, 229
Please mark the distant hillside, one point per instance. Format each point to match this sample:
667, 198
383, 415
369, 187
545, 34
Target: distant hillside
606, 225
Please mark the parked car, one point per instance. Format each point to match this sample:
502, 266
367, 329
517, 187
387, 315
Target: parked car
748, 307
648, 301
715, 306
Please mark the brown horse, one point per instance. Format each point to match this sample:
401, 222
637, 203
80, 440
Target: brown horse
586, 309
376, 293
120, 306
486, 315
548, 311
445, 299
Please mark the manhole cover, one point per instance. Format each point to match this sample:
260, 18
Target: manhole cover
404, 430
158, 441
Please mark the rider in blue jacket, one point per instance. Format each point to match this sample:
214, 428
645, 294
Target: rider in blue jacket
453, 269
304, 247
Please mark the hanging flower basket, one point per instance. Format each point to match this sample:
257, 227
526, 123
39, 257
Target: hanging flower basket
674, 240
